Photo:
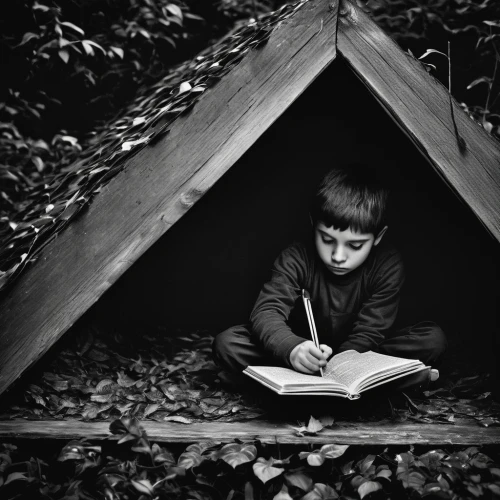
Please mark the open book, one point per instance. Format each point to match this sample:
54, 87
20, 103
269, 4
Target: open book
346, 375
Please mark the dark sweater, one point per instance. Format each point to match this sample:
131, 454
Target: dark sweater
353, 311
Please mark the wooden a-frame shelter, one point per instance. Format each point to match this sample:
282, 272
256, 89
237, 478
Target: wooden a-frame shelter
165, 179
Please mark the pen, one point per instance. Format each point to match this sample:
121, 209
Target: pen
310, 318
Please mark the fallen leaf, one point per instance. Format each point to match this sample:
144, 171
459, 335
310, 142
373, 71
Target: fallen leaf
124, 380
313, 427
327, 420
178, 418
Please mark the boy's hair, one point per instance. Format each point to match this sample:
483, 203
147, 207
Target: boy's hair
350, 197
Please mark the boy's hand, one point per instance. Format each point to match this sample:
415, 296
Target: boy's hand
307, 358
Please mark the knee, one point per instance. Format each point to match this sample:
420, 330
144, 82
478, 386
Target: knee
435, 341
440, 341
221, 346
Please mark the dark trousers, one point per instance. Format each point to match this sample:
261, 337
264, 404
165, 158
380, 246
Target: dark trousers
234, 348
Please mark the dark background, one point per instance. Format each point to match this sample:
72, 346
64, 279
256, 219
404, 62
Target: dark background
206, 271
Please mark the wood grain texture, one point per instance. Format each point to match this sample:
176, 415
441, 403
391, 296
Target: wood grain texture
420, 105
265, 431
159, 185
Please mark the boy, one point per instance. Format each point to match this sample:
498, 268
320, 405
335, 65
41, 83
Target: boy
354, 279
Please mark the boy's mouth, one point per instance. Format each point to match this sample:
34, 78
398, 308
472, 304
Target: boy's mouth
339, 269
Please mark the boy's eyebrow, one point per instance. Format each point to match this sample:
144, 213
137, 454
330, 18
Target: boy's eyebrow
355, 240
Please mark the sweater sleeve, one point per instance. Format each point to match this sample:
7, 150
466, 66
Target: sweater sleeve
275, 302
379, 310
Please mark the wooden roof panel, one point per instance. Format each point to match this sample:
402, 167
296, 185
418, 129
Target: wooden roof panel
421, 106
159, 185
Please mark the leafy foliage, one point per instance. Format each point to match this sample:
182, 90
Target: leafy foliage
100, 52
236, 454
127, 465
329, 451
473, 30
264, 469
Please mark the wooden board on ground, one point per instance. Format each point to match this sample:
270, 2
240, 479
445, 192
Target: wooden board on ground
461, 433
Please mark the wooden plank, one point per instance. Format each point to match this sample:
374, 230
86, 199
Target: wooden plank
159, 185
265, 431
420, 105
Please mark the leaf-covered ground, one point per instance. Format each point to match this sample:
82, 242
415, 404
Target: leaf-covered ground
98, 377
128, 466
94, 375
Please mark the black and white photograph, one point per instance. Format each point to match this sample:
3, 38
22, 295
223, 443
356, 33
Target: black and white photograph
249, 249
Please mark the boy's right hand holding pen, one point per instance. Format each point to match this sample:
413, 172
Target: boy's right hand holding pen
310, 357
307, 358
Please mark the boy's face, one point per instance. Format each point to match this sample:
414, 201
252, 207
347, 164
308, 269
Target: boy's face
343, 251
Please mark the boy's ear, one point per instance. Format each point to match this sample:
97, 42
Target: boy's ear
378, 239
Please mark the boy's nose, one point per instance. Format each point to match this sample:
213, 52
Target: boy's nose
338, 256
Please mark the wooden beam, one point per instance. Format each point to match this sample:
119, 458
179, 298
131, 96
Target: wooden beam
159, 185
265, 431
421, 106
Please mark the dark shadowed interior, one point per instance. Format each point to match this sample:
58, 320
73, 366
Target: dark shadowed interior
206, 271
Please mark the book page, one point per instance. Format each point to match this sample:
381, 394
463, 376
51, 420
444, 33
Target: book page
351, 368
370, 384
286, 380
300, 390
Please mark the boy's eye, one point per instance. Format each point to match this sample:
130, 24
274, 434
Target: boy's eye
327, 241
356, 247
